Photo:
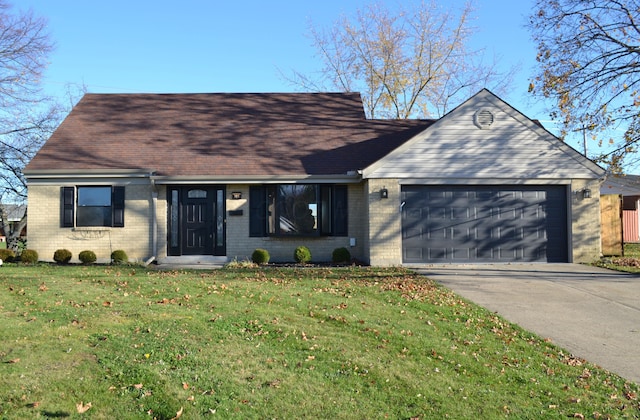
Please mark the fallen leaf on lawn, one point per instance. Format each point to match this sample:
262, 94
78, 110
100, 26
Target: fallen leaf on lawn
107, 304
178, 414
311, 357
191, 398
43, 287
138, 386
83, 408
14, 360
275, 383
185, 385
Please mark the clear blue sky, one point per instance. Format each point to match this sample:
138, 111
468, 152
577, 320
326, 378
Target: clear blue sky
234, 46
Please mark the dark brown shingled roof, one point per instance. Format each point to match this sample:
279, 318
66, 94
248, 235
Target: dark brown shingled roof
221, 134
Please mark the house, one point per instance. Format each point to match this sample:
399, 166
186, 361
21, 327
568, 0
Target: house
14, 214
628, 188
211, 177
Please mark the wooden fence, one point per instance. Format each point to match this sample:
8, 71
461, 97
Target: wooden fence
611, 233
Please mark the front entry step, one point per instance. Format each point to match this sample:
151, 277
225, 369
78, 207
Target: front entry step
193, 260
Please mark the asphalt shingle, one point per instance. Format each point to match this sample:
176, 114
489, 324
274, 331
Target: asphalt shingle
222, 134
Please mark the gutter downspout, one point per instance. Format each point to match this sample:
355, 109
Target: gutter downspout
154, 220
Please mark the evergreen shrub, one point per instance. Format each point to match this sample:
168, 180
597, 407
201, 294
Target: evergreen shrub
62, 256
302, 255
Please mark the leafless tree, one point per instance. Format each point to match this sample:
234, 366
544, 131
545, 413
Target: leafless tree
412, 63
27, 116
589, 57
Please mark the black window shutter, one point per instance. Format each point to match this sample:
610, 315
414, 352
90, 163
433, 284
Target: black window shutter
117, 205
257, 211
67, 198
340, 211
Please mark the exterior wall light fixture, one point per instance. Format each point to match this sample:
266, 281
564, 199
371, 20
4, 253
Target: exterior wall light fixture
583, 194
384, 193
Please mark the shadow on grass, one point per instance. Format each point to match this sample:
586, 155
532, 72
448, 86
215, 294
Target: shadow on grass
55, 414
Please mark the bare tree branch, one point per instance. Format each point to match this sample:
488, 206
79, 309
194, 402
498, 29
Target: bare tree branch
27, 116
409, 64
589, 56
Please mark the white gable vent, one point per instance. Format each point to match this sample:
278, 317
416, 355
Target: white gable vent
483, 119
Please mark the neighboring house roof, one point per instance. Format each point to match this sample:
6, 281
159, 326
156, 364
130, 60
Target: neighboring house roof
626, 185
220, 134
15, 212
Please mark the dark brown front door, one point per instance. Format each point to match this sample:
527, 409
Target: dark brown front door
196, 222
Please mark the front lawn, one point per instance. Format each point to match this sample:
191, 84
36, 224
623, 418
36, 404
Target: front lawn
630, 262
127, 342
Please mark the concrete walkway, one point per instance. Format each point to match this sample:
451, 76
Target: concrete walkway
592, 312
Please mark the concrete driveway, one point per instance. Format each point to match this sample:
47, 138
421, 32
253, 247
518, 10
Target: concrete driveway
592, 312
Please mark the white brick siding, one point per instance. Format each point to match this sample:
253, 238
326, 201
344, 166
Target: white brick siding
240, 246
374, 223
46, 236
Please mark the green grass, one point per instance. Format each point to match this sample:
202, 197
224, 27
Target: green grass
630, 262
277, 343
632, 250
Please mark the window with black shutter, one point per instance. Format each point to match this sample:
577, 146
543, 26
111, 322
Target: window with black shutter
87, 206
340, 211
117, 203
257, 211
67, 198
298, 210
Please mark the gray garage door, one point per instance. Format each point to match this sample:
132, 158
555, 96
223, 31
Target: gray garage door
484, 224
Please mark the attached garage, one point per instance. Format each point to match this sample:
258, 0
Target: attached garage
483, 184
497, 223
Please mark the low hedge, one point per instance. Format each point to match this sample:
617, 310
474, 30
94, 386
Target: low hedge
7, 255
119, 257
62, 256
29, 256
87, 257
260, 256
341, 255
302, 255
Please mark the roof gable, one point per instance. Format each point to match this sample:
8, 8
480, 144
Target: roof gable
220, 135
458, 146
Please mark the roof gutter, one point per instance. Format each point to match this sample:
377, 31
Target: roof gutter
87, 173
351, 177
